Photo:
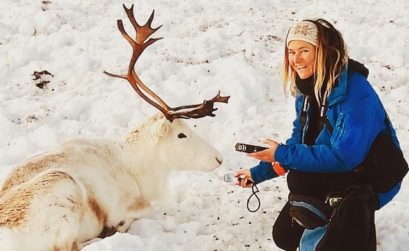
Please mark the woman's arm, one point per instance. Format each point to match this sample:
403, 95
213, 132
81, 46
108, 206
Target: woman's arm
355, 130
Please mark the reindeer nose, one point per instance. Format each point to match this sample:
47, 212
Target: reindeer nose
219, 160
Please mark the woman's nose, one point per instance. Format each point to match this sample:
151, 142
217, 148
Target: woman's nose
297, 58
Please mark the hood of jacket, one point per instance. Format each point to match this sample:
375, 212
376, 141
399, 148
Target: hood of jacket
355, 66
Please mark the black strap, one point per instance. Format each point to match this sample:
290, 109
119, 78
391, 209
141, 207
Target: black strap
303, 117
323, 107
329, 126
254, 191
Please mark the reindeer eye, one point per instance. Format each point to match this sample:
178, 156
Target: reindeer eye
181, 135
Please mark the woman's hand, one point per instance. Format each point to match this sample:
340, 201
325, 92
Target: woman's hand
246, 179
268, 154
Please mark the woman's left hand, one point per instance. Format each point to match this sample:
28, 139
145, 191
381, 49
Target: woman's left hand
268, 154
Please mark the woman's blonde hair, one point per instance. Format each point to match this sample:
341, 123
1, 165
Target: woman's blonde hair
330, 57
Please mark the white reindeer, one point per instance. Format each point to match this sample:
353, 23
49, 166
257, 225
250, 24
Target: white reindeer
88, 188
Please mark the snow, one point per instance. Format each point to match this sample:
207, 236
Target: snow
208, 45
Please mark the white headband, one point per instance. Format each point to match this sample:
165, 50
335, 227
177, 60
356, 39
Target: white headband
305, 30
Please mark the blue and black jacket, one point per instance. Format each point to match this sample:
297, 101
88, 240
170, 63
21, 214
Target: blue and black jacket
357, 116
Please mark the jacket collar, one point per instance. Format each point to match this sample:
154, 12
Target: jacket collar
339, 92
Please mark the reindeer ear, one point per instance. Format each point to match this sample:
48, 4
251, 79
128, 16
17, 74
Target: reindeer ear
160, 128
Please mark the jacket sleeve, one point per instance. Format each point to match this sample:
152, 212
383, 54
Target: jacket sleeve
355, 129
296, 133
263, 171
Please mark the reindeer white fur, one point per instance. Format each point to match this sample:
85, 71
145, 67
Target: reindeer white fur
61, 199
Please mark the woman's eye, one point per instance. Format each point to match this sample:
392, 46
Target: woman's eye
181, 135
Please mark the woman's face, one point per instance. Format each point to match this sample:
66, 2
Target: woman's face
301, 56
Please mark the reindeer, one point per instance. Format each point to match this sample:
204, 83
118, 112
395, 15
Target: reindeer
88, 188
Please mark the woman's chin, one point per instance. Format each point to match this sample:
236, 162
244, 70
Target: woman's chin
303, 75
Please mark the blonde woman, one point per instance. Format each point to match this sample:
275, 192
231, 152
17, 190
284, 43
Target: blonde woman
340, 126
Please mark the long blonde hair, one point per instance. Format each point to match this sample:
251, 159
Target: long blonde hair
330, 57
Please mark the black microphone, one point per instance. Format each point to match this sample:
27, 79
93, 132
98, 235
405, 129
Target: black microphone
246, 148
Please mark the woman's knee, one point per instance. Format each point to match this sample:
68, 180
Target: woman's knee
282, 241
286, 234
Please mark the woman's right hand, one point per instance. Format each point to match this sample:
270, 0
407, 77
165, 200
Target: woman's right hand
246, 179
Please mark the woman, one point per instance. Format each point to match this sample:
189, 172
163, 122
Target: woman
339, 117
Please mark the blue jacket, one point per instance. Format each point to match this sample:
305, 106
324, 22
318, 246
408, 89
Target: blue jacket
357, 116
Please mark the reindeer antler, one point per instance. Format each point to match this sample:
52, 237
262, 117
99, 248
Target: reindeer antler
139, 44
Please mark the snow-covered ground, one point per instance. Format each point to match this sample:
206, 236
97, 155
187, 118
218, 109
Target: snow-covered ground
209, 45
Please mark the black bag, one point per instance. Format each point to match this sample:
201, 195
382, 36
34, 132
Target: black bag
351, 226
308, 212
385, 165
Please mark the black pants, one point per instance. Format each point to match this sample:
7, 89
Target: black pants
286, 232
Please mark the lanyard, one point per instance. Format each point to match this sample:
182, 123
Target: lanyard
323, 107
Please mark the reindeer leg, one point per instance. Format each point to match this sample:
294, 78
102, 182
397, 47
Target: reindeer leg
107, 231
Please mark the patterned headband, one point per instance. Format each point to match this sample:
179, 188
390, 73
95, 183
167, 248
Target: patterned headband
305, 31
